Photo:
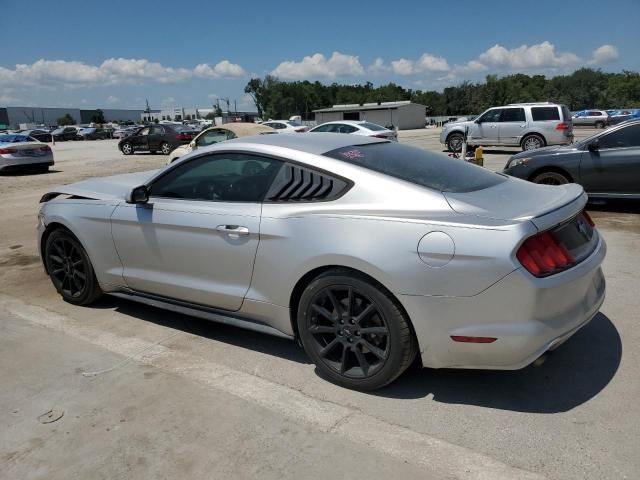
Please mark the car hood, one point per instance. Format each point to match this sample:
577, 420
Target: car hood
115, 187
464, 123
556, 149
517, 200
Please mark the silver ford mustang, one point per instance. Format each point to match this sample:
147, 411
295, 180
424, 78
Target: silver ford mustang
369, 252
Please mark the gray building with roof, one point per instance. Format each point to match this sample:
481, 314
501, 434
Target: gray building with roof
12, 117
404, 115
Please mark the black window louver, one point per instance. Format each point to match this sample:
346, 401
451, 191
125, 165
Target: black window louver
297, 184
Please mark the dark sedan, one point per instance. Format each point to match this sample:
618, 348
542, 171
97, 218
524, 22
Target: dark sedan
92, 134
65, 133
154, 138
40, 135
606, 164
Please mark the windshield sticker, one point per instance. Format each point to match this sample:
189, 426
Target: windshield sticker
352, 154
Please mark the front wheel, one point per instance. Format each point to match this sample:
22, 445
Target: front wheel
454, 142
165, 148
354, 331
550, 178
599, 125
127, 148
70, 269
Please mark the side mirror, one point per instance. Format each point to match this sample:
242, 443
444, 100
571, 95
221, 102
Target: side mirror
138, 195
594, 146
193, 144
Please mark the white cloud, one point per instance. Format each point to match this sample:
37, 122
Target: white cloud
426, 63
113, 71
603, 54
318, 66
168, 102
402, 67
111, 99
223, 69
377, 67
541, 55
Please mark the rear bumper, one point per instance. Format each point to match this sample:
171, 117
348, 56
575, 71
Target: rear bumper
7, 163
527, 315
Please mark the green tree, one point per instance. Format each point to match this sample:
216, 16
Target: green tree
66, 120
98, 117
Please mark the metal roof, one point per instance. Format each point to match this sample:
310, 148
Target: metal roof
367, 106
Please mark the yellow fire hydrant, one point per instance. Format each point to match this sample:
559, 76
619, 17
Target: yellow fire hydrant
477, 157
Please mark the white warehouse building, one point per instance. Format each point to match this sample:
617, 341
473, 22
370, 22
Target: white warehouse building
404, 115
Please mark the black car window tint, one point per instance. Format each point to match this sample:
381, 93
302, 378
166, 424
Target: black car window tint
491, 115
232, 177
418, 166
512, 115
625, 137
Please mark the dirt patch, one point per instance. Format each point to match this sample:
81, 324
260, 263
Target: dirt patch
18, 259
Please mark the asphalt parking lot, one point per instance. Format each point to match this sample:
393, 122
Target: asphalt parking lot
145, 393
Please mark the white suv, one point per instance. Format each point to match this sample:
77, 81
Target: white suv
527, 125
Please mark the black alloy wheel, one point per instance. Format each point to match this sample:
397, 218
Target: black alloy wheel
354, 332
70, 269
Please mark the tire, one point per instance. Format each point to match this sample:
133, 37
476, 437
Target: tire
332, 331
165, 148
599, 125
550, 177
127, 148
70, 269
532, 142
454, 142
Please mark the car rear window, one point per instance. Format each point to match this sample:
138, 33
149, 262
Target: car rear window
566, 114
540, 114
418, 166
372, 126
15, 138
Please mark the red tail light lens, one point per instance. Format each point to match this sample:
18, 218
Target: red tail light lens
6, 151
183, 136
542, 255
588, 218
45, 148
562, 126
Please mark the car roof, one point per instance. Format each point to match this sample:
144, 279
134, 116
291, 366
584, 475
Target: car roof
347, 122
317, 143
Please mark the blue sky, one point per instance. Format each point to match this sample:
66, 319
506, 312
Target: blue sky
115, 54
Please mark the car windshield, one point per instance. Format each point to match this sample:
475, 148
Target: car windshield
15, 138
418, 166
372, 126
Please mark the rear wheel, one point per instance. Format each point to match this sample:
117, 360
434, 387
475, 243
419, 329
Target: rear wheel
454, 142
532, 142
550, 178
127, 148
599, 125
354, 331
70, 269
165, 148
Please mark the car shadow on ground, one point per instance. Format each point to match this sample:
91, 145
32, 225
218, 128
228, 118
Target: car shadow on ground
571, 375
614, 206
27, 173
259, 342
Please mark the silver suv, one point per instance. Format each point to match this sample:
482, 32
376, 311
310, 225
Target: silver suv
527, 125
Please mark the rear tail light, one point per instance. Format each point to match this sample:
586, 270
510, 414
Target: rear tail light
301, 130
543, 255
588, 218
5, 151
183, 136
562, 126
45, 148
380, 135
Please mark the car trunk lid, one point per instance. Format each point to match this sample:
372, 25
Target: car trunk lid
514, 199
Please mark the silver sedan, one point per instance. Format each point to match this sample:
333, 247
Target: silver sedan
22, 152
369, 252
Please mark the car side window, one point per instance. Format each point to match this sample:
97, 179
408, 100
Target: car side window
491, 116
540, 114
212, 136
222, 177
347, 129
512, 115
144, 131
623, 138
322, 128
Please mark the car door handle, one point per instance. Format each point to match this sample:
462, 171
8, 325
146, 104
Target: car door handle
234, 231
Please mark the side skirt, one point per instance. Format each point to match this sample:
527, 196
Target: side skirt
199, 311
